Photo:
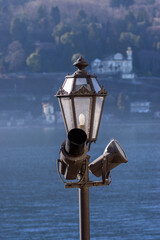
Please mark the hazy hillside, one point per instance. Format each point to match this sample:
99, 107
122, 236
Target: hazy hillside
45, 36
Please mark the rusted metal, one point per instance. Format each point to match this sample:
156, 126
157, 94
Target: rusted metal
80, 63
88, 184
84, 224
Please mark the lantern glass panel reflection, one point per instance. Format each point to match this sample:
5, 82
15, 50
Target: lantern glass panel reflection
97, 115
79, 82
83, 107
68, 113
96, 85
68, 85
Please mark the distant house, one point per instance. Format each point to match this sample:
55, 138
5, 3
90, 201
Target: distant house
115, 64
48, 111
140, 107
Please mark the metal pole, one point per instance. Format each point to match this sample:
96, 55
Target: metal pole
84, 209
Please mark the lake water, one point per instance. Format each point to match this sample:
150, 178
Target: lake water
34, 205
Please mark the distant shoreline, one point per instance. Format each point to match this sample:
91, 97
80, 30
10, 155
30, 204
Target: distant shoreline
110, 122
64, 73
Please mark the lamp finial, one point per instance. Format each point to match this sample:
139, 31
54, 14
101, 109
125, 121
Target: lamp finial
80, 63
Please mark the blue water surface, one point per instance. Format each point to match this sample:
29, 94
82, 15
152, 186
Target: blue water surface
34, 205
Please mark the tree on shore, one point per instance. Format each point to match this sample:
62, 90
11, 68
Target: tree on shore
93, 32
15, 57
34, 62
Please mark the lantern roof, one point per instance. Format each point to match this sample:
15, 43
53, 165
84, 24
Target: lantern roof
81, 82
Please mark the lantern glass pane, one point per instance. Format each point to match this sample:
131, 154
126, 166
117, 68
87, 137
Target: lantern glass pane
82, 82
97, 115
83, 106
68, 113
96, 85
68, 85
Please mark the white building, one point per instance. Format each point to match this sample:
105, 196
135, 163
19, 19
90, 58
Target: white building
48, 111
115, 64
140, 107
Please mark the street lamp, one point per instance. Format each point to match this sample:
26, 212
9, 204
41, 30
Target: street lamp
81, 100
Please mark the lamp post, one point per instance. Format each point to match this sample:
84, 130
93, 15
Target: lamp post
81, 99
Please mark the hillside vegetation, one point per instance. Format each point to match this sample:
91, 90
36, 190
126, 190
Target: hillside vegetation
46, 36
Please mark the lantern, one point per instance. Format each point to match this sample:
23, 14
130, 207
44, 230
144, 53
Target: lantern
81, 100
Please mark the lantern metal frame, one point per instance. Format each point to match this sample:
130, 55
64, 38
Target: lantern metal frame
82, 92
